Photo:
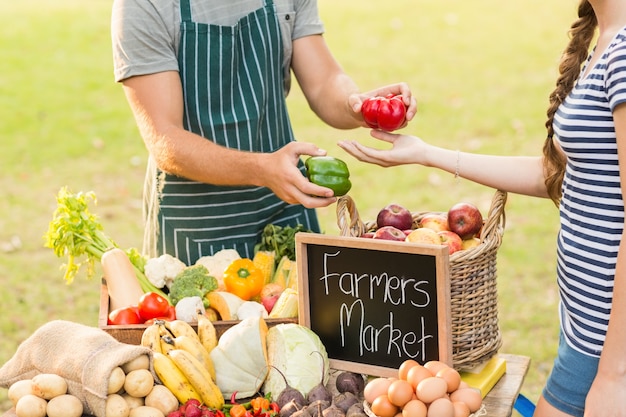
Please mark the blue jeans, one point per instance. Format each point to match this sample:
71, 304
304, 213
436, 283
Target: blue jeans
570, 379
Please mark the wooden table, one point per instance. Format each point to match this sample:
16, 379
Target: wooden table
498, 402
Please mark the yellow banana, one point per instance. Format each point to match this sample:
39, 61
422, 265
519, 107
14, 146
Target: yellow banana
193, 346
151, 338
199, 378
180, 328
206, 332
173, 378
163, 331
167, 344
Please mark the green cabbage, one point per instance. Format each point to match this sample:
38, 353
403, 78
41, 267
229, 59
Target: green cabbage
291, 348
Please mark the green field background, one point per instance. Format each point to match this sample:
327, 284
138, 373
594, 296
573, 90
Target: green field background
481, 71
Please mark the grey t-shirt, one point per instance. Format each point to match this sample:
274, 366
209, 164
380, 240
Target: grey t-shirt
145, 33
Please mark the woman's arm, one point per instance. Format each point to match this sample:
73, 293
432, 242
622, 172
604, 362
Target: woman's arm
515, 174
606, 396
157, 103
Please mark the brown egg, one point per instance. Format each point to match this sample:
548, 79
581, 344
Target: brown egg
452, 378
441, 407
400, 392
416, 374
460, 409
382, 407
403, 370
430, 389
435, 366
414, 408
375, 388
470, 396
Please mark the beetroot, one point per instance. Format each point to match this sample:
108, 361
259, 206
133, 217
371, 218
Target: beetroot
320, 392
289, 394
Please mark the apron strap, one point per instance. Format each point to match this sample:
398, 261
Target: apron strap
185, 10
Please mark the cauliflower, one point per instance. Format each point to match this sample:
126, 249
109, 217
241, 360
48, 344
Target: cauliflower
161, 271
187, 309
218, 263
193, 281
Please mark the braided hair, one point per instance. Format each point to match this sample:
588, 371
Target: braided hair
581, 34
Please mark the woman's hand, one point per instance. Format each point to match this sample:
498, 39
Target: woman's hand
285, 179
405, 149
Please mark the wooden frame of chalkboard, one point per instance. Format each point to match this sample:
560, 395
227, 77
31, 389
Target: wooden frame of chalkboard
375, 303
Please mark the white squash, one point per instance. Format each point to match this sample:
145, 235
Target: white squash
225, 303
240, 358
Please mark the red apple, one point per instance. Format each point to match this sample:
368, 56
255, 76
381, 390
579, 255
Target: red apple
394, 215
389, 233
424, 235
465, 220
269, 295
368, 235
437, 222
454, 241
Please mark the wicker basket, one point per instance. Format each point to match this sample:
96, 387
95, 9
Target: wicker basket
474, 299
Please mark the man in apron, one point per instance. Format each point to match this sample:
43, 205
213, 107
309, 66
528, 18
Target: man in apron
207, 81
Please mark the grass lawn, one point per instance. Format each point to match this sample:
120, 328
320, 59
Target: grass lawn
481, 79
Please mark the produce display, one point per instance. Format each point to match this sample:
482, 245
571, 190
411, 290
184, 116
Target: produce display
250, 370
459, 228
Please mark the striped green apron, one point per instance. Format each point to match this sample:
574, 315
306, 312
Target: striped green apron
232, 81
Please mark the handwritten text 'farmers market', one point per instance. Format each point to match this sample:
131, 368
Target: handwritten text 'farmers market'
392, 291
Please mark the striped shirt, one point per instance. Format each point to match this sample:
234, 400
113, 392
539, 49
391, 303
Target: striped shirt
592, 207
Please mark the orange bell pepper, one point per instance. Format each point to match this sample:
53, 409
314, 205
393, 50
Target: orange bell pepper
259, 405
244, 279
237, 410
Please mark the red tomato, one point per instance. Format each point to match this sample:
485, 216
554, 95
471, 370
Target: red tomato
125, 315
152, 305
385, 113
171, 315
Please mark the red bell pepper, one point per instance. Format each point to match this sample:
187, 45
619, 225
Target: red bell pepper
384, 113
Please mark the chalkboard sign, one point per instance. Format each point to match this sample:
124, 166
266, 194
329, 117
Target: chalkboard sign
375, 303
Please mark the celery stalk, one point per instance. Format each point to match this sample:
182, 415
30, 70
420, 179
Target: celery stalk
74, 232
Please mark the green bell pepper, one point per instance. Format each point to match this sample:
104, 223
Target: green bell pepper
329, 172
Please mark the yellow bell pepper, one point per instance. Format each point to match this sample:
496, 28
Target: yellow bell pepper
244, 279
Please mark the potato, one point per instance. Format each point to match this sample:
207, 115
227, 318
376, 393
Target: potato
139, 382
140, 362
146, 411
31, 406
162, 398
20, 388
48, 386
133, 402
116, 381
64, 406
116, 406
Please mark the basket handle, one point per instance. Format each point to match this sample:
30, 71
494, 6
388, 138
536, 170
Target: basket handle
348, 219
496, 219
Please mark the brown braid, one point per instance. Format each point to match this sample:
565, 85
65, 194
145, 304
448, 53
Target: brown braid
581, 34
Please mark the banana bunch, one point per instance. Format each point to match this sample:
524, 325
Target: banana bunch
182, 361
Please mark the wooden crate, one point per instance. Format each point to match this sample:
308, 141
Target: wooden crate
131, 334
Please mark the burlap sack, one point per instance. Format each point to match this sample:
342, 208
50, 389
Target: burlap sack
85, 356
